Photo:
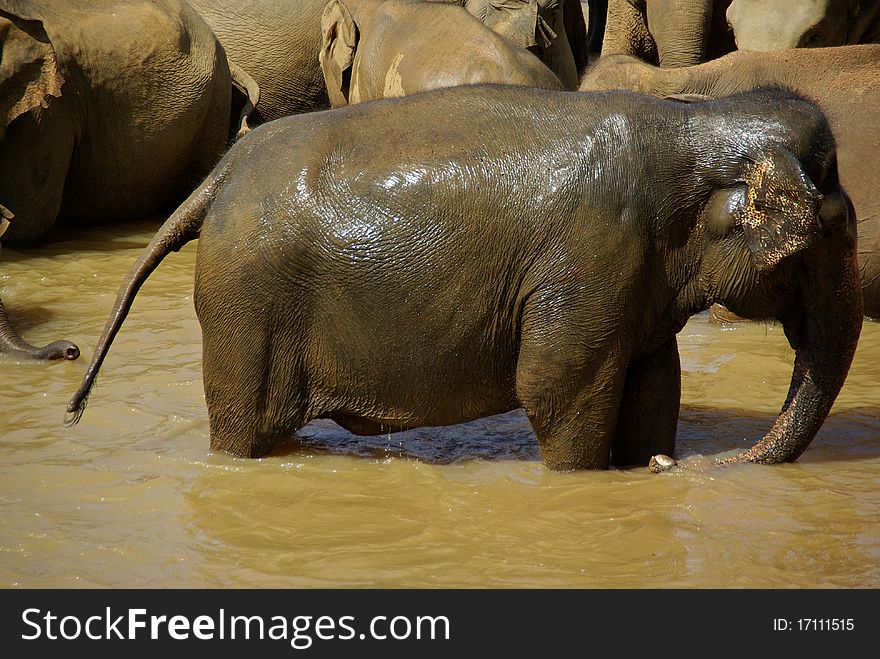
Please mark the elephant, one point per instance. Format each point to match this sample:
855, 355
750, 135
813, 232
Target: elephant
781, 24
276, 42
386, 48
844, 81
553, 30
109, 110
669, 33
404, 263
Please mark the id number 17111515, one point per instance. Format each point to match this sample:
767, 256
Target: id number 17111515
814, 624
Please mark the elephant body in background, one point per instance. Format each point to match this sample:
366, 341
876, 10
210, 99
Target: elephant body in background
670, 33
407, 262
109, 110
844, 81
781, 24
554, 30
386, 48
276, 42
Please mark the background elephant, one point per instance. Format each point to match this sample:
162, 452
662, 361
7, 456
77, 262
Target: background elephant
781, 24
386, 48
844, 81
671, 33
109, 110
276, 42
417, 265
553, 30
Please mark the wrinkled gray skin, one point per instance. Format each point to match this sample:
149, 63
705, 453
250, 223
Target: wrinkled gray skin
780, 24
276, 42
670, 33
109, 110
844, 81
386, 48
372, 266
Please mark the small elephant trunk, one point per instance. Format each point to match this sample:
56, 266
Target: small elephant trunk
681, 30
11, 341
825, 345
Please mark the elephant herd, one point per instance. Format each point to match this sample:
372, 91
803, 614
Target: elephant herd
421, 212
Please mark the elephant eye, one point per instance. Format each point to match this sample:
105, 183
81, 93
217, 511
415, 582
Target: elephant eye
812, 41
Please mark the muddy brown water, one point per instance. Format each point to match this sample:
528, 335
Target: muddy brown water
133, 496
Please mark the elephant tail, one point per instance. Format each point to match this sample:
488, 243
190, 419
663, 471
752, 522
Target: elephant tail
245, 85
180, 228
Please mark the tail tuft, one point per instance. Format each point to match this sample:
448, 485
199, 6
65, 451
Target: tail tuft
75, 409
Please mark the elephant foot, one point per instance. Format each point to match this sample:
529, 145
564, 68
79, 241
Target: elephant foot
660, 463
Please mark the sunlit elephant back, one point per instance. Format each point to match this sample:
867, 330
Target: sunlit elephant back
781, 24
384, 49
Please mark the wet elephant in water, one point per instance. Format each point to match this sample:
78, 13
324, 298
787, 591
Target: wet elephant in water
385, 48
406, 263
109, 110
844, 81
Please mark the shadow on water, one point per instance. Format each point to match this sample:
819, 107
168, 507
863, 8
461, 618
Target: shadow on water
853, 434
26, 317
702, 431
111, 237
501, 437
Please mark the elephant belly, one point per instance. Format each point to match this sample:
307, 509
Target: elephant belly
371, 394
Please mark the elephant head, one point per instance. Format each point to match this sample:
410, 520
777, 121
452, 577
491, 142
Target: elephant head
339, 38
550, 29
518, 20
775, 25
29, 75
670, 33
778, 25
783, 202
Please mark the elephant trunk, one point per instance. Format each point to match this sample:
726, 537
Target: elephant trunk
680, 30
11, 341
825, 343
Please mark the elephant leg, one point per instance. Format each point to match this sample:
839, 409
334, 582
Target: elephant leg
35, 158
570, 397
648, 415
253, 394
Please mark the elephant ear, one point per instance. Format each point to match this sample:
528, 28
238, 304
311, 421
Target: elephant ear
776, 204
6, 216
516, 20
29, 74
339, 40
